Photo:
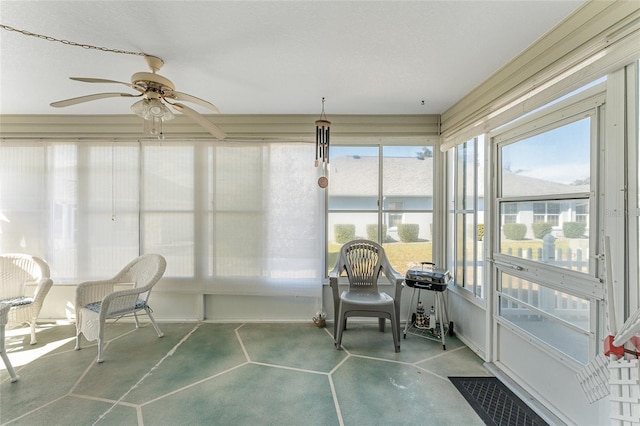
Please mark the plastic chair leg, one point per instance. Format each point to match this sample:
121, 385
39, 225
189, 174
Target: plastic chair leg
396, 337
338, 340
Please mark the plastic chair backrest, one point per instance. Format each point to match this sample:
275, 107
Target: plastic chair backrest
363, 260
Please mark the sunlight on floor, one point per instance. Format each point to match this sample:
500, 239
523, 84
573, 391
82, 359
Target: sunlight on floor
17, 345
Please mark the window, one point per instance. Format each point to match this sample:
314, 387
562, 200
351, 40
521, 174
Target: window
510, 213
228, 217
547, 313
544, 258
393, 219
466, 216
73, 204
383, 194
582, 212
168, 205
548, 212
544, 183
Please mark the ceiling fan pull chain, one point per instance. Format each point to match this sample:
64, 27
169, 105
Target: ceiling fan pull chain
71, 43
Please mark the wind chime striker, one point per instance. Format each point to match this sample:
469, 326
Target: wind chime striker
323, 132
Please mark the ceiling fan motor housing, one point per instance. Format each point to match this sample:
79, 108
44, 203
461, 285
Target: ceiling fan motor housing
155, 84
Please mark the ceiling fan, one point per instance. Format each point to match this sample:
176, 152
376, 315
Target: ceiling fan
156, 91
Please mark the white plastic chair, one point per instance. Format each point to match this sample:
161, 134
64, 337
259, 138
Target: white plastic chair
97, 301
4, 316
364, 261
17, 272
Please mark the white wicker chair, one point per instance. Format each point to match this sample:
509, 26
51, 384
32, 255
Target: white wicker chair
4, 316
16, 272
97, 301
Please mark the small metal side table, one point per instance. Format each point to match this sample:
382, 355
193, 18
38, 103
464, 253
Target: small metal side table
436, 280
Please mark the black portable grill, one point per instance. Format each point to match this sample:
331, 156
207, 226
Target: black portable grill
434, 279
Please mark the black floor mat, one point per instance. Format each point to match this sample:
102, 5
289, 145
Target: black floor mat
495, 403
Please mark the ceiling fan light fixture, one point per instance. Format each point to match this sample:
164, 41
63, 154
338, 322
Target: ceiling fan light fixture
140, 108
150, 109
159, 110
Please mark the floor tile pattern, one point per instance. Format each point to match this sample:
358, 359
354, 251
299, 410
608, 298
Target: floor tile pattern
235, 374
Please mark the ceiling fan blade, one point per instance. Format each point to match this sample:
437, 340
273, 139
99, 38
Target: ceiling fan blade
179, 96
87, 98
102, 80
201, 120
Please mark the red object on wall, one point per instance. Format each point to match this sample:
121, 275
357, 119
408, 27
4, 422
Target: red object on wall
611, 349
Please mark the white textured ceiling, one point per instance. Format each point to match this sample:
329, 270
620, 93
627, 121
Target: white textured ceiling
268, 57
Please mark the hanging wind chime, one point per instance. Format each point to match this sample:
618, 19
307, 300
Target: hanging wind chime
323, 131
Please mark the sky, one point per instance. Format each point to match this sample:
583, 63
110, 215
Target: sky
559, 155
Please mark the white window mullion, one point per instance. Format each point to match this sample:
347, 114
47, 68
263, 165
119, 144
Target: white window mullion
614, 187
633, 155
200, 219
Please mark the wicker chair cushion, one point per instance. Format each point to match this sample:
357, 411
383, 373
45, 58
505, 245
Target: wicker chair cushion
95, 306
18, 301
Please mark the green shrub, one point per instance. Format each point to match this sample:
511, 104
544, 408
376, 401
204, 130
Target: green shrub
514, 231
344, 233
408, 232
480, 231
540, 229
372, 232
574, 229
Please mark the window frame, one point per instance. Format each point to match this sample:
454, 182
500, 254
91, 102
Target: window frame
383, 213
460, 206
588, 286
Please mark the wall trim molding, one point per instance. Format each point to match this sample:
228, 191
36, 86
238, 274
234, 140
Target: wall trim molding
298, 127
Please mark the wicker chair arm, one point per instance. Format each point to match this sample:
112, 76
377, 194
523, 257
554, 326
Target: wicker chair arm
120, 302
43, 287
92, 291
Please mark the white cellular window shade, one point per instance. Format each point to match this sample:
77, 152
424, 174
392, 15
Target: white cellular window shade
168, 210
73, 204
107, 218
232, 218
23, 189
265, 219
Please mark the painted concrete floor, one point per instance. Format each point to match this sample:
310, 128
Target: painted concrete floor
235, 374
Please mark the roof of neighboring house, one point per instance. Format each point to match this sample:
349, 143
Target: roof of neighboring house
412, 177
358, 176
514, 184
